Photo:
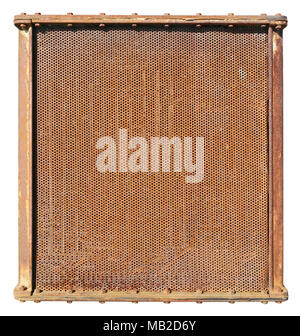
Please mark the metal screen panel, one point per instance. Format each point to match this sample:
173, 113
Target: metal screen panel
151, 231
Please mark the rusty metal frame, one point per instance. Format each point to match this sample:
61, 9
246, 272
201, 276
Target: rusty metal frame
230, 19
25, 290
277, 164
25, 284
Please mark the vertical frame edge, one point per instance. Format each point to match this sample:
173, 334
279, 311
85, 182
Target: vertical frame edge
277, 164
25, 284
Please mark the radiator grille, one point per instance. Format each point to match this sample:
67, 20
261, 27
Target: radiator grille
151, 231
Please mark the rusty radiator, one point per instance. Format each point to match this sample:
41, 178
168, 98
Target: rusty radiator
150, 158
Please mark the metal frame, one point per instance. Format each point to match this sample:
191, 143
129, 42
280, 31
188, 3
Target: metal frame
23, 20
25, 289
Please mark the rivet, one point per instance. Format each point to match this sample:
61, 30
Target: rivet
71, 291
103, 291
166, 14
199, 302
230, 26
37, 24
199, 14
278, 302
23, 288
198, 25
37, 301
166, 26
22, 301
231, 302
134, 13
263, 26
101, 25
69, 24
37, 14
264, 302
134, 25
38, 291
278, 27
167, 290
69, 302
22, 26
101, 13
233, 292
135, 302
102, 302
200, 291
230, 14
69, 13
167, 302
22, 13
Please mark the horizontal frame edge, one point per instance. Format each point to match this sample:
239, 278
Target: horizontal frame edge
24, 295
151, 19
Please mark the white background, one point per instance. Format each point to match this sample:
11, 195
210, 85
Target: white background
9, 149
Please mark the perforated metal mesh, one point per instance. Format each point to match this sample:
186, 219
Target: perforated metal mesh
151, 231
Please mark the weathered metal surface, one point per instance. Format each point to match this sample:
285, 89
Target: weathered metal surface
25, 162
276, 20
143, 296
270, 154
277, 150
101, 237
